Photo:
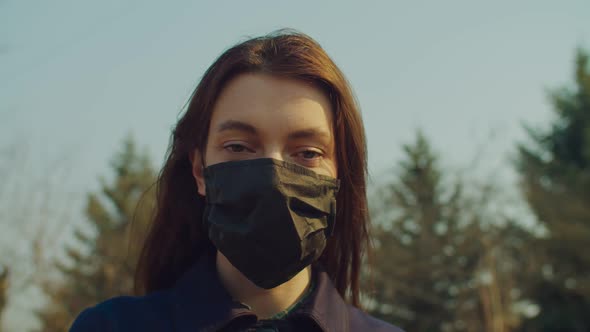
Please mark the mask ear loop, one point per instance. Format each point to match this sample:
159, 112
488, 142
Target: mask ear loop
202, 160
203, 167
332, 216
331, 219
206, 209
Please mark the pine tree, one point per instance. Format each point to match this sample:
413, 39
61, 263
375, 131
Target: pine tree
555, 179
102, 265
427, 251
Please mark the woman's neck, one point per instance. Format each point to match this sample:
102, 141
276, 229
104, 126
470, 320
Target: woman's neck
265, 303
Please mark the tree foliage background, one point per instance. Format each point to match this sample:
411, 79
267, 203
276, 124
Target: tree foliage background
555, 179
101, 264
446, 261
448, 256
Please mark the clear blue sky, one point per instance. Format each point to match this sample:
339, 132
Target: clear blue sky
77, 76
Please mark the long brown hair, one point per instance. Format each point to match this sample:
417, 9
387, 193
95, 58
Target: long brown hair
177, 238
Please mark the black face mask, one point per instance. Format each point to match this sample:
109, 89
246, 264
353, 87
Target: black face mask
270, 218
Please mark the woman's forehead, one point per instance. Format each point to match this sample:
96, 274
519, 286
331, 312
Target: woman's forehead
261, 100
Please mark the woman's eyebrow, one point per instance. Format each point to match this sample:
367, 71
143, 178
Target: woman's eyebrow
309, 133
236, 125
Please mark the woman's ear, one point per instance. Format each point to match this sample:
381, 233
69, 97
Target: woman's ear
197, 168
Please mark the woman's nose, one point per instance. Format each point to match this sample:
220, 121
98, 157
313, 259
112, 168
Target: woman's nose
273, 153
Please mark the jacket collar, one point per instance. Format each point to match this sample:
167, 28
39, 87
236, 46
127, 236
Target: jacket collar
200, 302
325, 306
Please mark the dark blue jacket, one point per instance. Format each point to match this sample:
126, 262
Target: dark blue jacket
199, 302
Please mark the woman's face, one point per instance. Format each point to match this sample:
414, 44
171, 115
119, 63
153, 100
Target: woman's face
264, 116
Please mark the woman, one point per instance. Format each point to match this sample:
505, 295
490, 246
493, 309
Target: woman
247, 236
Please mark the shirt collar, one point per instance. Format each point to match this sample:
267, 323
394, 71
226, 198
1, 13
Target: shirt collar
201, 302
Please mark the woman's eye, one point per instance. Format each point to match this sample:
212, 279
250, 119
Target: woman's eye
310, 154
236, 148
